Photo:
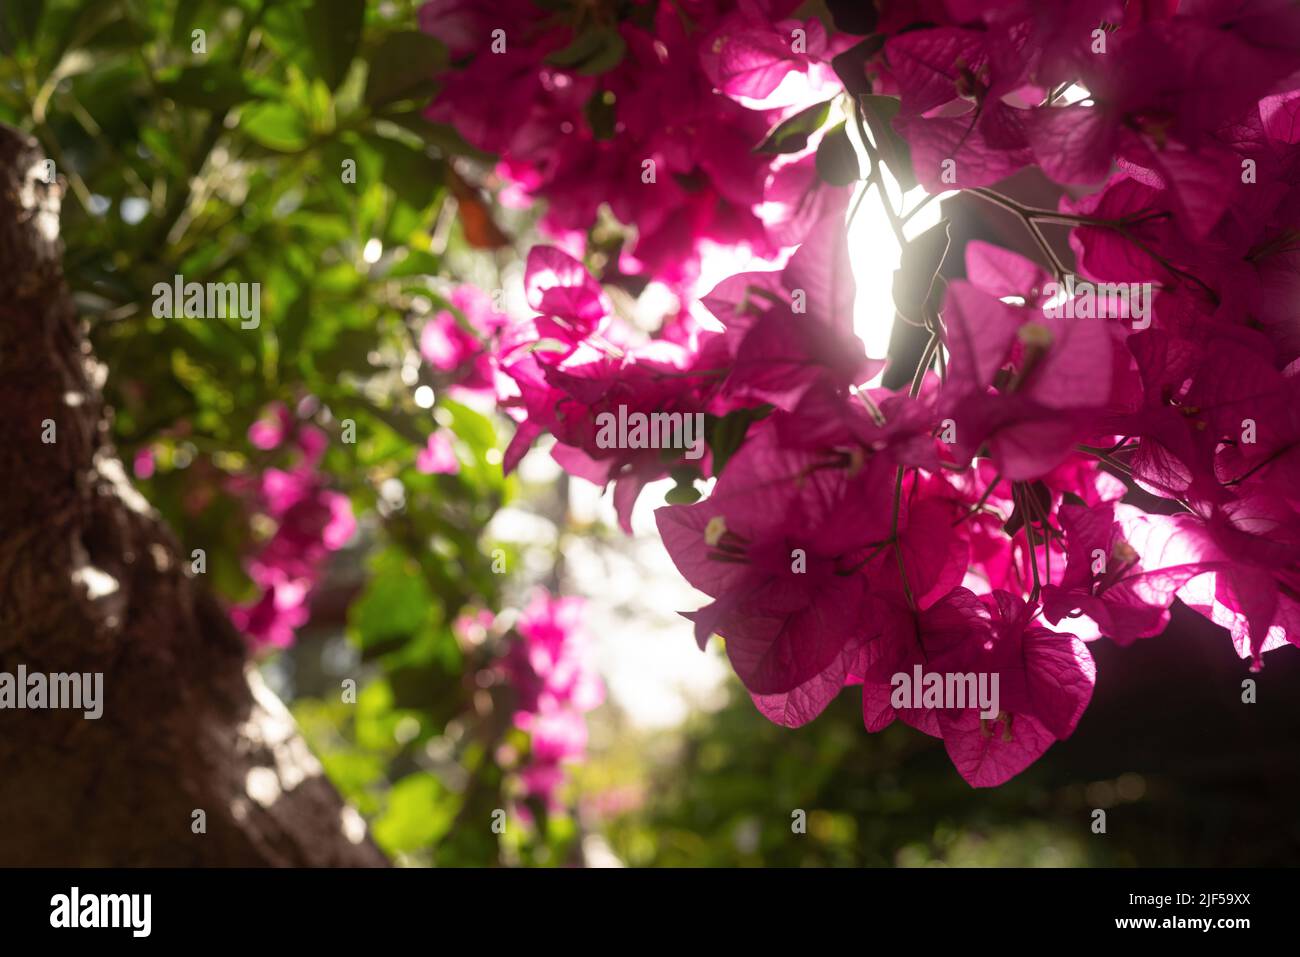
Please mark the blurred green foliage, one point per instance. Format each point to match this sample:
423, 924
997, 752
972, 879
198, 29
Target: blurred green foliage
736, 790
281, 142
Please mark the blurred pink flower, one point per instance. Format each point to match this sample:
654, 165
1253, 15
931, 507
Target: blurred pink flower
143, 464
437, 457
555, 682
310, 520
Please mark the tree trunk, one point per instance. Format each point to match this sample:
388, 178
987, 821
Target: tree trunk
92, 581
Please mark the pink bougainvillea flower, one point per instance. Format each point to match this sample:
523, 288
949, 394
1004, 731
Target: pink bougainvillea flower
1045, 680
1150, 109
143, 464
1252, 548
309, 522
558, 733
269, 431
1003, 273
570, 398
954, 109
1125, 568
537, 117
571, 304
272, 620
437, 457
316, 523
466, 25
559, 649
278, 425
775, 554
1206, 406
773, 64
934, 555
1028, 386
788, 332
796, 200
825, 418
550, 668
855, 532
457, 346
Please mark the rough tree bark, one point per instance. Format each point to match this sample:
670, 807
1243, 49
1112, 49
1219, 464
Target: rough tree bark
92, 581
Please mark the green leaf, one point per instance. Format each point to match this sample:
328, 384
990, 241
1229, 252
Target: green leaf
837, 161
348, 352
879, 112
446, 139
85, 27
209, 86
183, 20
682, 495
726, 434
425, 685
474, 428
276, 126
334, 34
402, 66
416, 262
419, 812
384, 645
409, 172
791, 135
594, 51
19, 22
396, 601
290, 330
601, 114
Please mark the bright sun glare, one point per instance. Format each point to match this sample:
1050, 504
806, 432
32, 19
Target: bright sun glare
874, 254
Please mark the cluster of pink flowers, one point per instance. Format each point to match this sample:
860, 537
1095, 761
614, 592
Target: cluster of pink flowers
964, 525
660, 137
555, 684
310, 521
456, 346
